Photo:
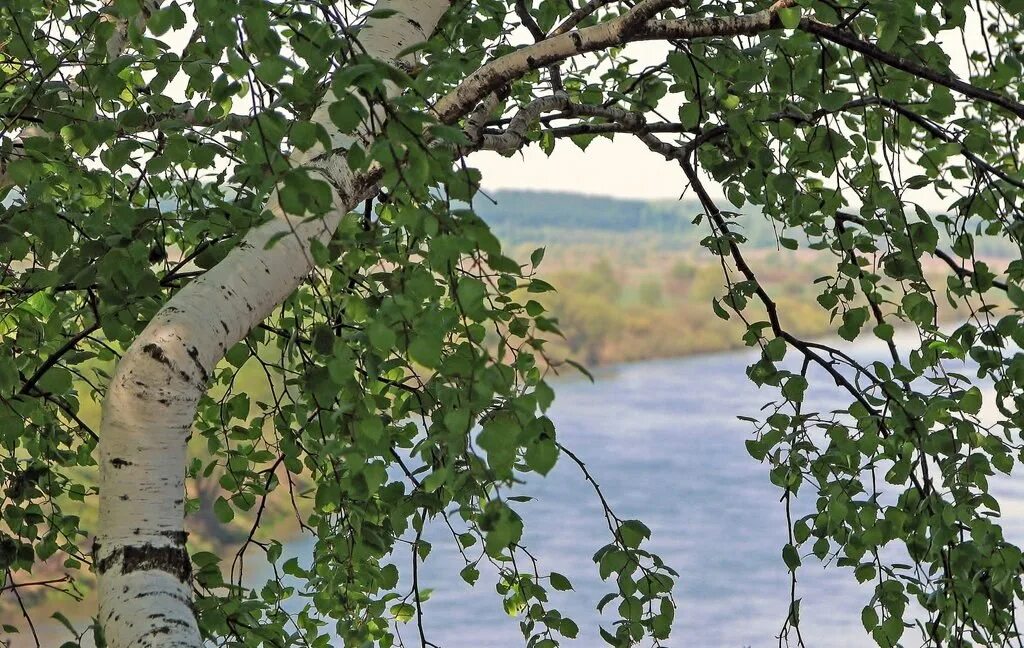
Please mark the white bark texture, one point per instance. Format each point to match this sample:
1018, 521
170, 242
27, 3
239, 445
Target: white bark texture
143, 568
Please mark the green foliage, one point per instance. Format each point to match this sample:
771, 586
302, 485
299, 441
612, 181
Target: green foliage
408, 373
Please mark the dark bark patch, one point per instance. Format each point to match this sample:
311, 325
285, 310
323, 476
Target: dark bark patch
156, 353
171, 560
193, 353
118, 462
177, 537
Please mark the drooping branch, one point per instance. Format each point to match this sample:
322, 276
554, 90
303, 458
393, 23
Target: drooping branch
958, 269
115, 45
619, 120
851, 42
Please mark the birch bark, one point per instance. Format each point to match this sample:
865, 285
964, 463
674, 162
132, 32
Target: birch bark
143, 568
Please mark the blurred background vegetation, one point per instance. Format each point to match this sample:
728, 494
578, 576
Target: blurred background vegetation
633, 282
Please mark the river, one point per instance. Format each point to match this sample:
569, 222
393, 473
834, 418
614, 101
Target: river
663, 440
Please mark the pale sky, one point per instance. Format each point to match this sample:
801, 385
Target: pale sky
623, 168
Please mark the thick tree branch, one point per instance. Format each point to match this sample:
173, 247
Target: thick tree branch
688, 29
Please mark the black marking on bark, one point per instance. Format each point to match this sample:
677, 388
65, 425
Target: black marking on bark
124, 498
577, 40
224, 325
160, 356
194, 354
415, 23
165, 402
171, 560
532, 62
177, 537
156, 353
118, 462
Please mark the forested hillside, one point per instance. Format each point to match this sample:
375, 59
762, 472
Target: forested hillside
557, 217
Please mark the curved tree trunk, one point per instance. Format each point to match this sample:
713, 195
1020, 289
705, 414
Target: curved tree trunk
143, 568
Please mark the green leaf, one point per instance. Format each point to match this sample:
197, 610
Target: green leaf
541, 456
791, 557
633, 533
470, 574
790, 17
223, 510
499, 439
403, 612
869, 618
560, 582
794, 388
971, 401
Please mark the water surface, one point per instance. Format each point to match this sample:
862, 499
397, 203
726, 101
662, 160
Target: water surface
663, 440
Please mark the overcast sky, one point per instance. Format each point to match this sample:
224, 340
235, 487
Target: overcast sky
623, 168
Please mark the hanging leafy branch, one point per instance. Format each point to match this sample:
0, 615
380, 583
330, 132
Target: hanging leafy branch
252, 223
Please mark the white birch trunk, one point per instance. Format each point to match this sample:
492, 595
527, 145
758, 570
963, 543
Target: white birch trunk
143, 568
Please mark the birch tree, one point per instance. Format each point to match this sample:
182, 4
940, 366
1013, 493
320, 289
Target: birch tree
192, 187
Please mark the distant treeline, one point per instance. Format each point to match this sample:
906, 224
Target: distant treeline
557, 217
553, 217
528, 210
